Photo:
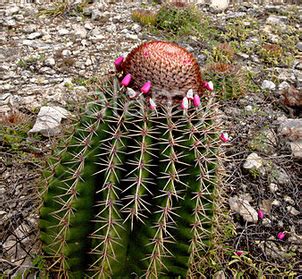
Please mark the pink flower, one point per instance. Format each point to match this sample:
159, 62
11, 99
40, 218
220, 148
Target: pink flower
118, 62
281, 235
260, 214
224, 137
184, 103
196, 101
126, 80
208, 85
239, 253
146, 87
152, 104
190, 94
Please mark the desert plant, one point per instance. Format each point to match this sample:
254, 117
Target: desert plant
223, 53
179, 20
144, 17
130, 192
271, 54
230, 80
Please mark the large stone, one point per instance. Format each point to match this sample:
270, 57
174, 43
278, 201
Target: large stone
299, 46
219, 5
34, 35
253, 161
277, 20
291, 129
244, 208
49, 119
12, 10
268, 85
296, 148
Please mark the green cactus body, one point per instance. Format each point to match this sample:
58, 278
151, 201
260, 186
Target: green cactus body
131, 192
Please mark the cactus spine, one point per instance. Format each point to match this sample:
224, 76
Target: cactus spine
130, 194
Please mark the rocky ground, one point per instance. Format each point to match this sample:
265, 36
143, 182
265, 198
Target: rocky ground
50, 64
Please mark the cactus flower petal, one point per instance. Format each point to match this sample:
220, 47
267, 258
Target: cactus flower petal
281, 235
260, 214
209, 85
146, 87
224, 137
118, 62
196, 101
184, 103
152, 104
190, 94
131, 93
126, 80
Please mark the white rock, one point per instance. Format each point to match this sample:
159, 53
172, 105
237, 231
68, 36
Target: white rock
244, 208
293, 211
2, 214
219, 5
10, 22
283, 85
276, 202
80, 31
63, 31
296, 148
273, 187
276, 20
291, 129
12, 10
50, 61
253, 161
66, 52
88, 62
132, 36
271, 249
111, 28
289, 200
96, 14
29, 29
243, 55
34, 35
267, 84
88, 26
299, 46
98, 37
136, 28
248, 108
49, 120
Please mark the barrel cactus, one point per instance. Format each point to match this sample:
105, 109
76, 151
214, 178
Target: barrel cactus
130, 193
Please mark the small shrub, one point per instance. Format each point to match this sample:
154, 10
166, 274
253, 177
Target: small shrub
26, 63
179, 20
144, 17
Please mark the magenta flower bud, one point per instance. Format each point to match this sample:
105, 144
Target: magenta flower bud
209, 85
196, 101
224, 137
126, 80
260, 214
190, 94
152, 104
184, 103
281, 235
239, 253
146, 87
118, 63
